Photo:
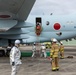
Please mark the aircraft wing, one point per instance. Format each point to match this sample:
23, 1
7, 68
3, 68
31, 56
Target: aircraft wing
15, 9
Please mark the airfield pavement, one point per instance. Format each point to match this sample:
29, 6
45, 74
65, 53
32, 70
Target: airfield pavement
42, 66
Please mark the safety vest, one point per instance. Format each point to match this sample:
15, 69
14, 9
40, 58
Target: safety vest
54, 52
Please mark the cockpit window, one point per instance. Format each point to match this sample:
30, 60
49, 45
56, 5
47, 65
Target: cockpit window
47, 23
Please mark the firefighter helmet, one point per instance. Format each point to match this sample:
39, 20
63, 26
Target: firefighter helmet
54, 40
17, 41
61, 42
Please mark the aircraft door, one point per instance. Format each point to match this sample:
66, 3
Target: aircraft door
38, 19
38, 27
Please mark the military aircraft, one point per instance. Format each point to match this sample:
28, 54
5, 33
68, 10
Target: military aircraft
16, 23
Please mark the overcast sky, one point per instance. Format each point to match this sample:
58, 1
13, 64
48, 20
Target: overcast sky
57, 7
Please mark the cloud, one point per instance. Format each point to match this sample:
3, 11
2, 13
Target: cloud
54, 6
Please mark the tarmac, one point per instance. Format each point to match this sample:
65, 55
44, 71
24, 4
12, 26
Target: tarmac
42, 66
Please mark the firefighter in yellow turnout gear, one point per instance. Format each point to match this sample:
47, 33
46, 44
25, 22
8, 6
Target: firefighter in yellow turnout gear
61, 50
54, 52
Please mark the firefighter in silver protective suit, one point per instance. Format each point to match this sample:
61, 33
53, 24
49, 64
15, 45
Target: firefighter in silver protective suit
34, 50
15, 56
43, 50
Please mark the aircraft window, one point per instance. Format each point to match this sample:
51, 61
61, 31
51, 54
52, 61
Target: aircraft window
47, 23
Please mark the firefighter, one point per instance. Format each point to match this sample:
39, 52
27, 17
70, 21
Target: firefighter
34, 50
43, 50
61, 50
15, 56
54, 52
38, 28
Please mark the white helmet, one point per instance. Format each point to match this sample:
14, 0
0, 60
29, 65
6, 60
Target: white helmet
61, 42
17, 41
54, 40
